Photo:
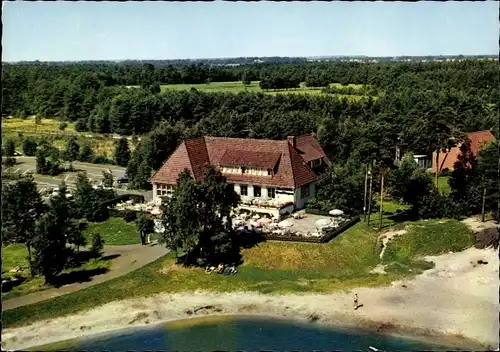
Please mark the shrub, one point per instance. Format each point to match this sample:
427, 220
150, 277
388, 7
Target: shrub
10, 161
435, 205
29, 146
129, 215
81, 125
97, 244
101, 159
62, 126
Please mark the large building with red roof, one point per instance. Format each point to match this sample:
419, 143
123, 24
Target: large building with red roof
267, 173
447, 160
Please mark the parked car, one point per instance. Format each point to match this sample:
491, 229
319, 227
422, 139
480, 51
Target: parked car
123, 179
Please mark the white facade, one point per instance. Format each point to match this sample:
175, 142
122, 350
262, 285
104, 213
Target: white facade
247, 192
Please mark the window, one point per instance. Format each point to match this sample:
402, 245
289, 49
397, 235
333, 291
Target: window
243, 170
269, 172
244, 190
304, 191
257, 191
271, 192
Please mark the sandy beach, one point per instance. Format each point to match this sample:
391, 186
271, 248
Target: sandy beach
455, 302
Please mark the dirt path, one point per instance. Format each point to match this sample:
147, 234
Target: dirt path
129, 258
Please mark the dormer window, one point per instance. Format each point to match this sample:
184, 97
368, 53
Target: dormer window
244, 170
269, 172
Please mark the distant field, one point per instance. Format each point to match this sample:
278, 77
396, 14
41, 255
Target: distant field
236, 87
232, 87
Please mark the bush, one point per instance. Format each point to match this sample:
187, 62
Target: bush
29, 146
101, 159
436, 205
81, 125
129, 215
10, 161
62, 126
97, 244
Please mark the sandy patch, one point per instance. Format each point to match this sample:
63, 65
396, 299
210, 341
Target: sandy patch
457, 298
386, 237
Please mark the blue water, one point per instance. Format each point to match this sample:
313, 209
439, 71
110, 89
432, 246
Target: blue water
245, 333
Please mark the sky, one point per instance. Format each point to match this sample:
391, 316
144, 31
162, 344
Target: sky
72, 31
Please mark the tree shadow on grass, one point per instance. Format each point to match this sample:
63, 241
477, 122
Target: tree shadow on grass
399, 216
77, 276
247, 239
110, 257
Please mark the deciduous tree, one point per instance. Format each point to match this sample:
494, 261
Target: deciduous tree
21, 206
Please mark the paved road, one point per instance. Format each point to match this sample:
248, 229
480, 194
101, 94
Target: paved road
26, 164
131, 257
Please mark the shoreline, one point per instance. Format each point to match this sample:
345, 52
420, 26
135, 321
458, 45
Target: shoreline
454, 304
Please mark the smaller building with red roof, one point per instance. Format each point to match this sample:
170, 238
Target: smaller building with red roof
447, 160
265, 173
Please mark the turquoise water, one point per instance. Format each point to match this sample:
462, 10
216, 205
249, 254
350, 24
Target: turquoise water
244, 333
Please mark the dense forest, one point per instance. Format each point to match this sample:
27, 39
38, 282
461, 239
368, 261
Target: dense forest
414, 105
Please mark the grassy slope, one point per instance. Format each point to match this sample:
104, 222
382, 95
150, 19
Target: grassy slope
15, 255
277, 267
114, 231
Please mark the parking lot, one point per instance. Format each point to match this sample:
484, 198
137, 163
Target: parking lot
27, 165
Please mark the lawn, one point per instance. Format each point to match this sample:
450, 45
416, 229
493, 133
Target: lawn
443, 185
273, 267
114, 231
15, 255
431, 237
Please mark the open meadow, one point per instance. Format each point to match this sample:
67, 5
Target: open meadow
238, 86
19, 128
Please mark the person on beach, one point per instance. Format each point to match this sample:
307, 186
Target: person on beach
220, 268
356, 301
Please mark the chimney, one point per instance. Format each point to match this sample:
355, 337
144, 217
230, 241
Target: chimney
292, 140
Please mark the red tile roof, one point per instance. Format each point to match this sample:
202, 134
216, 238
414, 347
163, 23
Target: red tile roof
292, 170
478, 139
310, 149
237, 157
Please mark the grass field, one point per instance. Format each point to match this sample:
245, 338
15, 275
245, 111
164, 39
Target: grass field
236, 87
49, 128
274, 267
28, 125
16, 255
114, 231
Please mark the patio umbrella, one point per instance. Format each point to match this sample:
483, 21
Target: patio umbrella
264, 221
285, 223
336, 212
323, 223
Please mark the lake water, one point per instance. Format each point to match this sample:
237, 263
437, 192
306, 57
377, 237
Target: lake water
242, 333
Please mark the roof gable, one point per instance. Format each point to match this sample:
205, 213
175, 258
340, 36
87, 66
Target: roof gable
290, 164
478, 139
170, 170
309, 148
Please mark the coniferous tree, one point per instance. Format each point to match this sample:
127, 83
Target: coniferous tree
122, 152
